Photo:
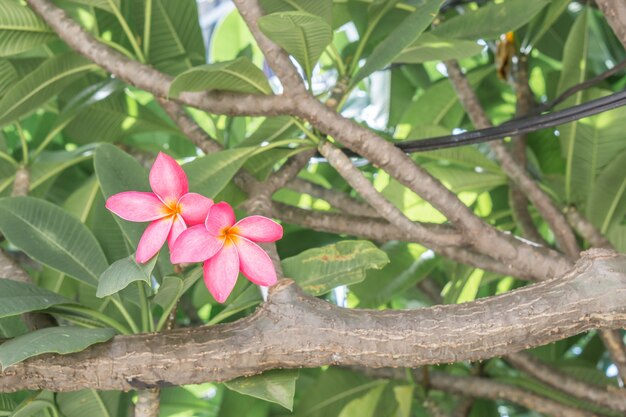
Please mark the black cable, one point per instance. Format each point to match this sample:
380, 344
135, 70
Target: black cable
518, 126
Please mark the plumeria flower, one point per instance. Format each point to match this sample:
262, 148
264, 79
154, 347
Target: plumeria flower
170, 208
226, 248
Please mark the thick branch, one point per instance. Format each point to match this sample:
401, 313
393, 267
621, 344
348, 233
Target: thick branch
294, 330
562, 232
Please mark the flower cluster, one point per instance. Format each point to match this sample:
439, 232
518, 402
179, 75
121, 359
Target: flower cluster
197, 230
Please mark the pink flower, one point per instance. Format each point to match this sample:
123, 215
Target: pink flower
170, 207
227, 247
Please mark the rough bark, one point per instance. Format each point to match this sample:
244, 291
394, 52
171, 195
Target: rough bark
615, 14
296, 330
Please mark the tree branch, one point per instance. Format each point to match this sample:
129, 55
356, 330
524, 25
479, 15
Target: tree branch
292, 330
336, 199
586, 229
562, 232
614, 400
483, 237
615, 14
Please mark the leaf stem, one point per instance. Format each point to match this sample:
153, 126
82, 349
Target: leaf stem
95, 314
127, 31
120, 306
146, 324
50, 136
147, 26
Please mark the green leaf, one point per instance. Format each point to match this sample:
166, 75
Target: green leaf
592, 143
552, 13
332, 391
491, 20
321, 8
272, 129
119, 275
209, 174
175, 37
7, 405
117, 171
112, 119
239, 75
50, 164
364, 406
18, 297
8, 76
35, 405
21, 29
607, 200
107, 5
169, 292
53, 237
573, 72
429, 47
89, 402
302, 35
249, 297
406, 269
62, 340
82, 200
402, 36
320, 270
35, 89
277, 386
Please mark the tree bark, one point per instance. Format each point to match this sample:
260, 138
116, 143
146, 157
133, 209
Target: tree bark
296, 330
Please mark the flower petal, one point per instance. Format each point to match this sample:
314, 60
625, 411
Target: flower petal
136, 206
255, 264
195, 244
220, 216
258, 229
221, 271
168, 180
153, 239
178, 226
194, 208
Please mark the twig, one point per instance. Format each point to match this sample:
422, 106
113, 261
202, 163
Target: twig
562, 231
148, 403
614, 400
586, 229
518, 201
336, 199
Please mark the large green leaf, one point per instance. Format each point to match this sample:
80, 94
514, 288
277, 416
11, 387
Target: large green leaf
240, 75
89, 402
551, 14
8, 76
42, 84
491, 20
123, 272
7, 405
402, 36
573, 72
277, 386
108, 5
320, 270
272, 129
364, 406
321, 8
303, 35
53, 237
51, 163
113, 119
175, 38
406, 269
21, 29
62, 340
591, 144
209, 174
332, 391
35, 405
117, 172
607, 199
18, 297
429, 47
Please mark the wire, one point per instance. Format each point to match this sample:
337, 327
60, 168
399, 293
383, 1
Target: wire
518, 126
